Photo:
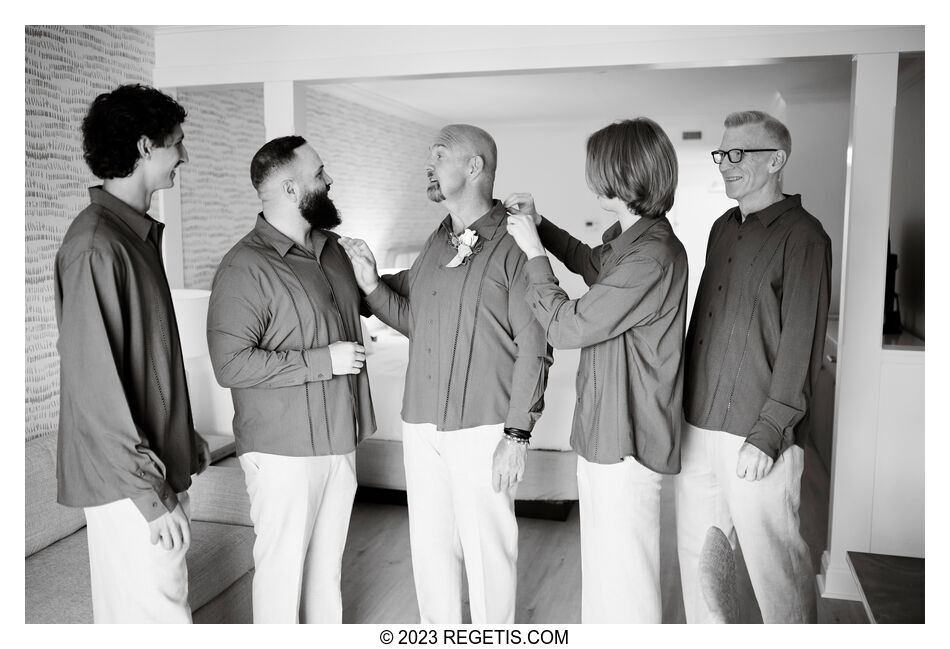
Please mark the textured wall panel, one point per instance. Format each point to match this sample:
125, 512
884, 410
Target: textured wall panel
376, 162
224, 130
66, 67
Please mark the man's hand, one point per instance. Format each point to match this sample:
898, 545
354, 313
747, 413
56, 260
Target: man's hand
753, 464
523, 203
204, 453
507, 466
522, 228
364, 263
347, 357
172, 529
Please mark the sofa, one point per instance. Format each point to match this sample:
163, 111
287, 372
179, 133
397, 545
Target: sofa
220, 559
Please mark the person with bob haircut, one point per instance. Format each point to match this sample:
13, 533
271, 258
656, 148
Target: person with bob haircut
629, 327
127, 445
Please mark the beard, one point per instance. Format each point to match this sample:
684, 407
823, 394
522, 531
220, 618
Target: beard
434, 192
319, 211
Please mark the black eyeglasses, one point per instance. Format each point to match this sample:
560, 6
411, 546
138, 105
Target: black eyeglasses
735, 155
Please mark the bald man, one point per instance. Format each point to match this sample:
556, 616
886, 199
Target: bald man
478, 363
284, 333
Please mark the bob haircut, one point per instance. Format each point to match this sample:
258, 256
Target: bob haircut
635, 161
115, 122
773, 128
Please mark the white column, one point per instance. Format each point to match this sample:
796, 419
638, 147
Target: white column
284, 109
867, 214
169, 213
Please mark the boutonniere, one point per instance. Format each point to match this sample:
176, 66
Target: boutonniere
467, 244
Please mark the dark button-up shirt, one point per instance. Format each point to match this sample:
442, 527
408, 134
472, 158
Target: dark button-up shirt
125, 427
630, 327
757, 331
275, 308
476, 354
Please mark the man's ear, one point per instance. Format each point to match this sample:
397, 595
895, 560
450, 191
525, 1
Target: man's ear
288, 188
777, 163
145, 146
475, 165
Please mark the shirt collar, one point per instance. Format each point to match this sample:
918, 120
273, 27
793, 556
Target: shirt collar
622, 239
486, 226
281, 242
140, 223
768, 215
277, 239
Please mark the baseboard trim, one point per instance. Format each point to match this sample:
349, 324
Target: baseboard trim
836, 582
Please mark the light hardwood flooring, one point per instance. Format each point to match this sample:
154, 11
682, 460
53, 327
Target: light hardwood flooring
377, 570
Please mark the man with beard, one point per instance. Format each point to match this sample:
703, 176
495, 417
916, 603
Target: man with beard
284, 333
475, 382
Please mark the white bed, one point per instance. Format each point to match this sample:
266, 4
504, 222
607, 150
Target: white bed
551, 466
550, 471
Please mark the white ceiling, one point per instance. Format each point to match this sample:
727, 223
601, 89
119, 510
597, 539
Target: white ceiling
595, 94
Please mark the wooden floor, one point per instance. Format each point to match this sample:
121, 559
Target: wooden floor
377, 571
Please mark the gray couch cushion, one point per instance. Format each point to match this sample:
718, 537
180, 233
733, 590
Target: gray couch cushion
219, 555
57, 578
46, 521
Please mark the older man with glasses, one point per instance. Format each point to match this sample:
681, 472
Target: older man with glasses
753, 351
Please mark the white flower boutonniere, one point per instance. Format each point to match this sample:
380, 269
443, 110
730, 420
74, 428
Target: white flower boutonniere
467, 244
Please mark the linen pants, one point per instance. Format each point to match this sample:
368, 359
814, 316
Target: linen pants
620, 542
763, 515
456, 516
300, 507
132, 580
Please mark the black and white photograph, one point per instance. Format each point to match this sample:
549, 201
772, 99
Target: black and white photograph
480, 334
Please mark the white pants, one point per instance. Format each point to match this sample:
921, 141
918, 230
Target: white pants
132, 580
301, 509
763, 515
453, 514
620, 542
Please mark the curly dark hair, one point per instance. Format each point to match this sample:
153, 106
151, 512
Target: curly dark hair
115, 122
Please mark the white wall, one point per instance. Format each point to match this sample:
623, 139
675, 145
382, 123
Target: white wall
818, 169
547, 159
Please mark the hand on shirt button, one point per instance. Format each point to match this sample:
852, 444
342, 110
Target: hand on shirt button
753, 464
347, 357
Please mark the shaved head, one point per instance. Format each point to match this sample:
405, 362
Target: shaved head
470, 140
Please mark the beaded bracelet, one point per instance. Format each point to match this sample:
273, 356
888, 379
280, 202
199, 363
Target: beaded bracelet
518, 436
